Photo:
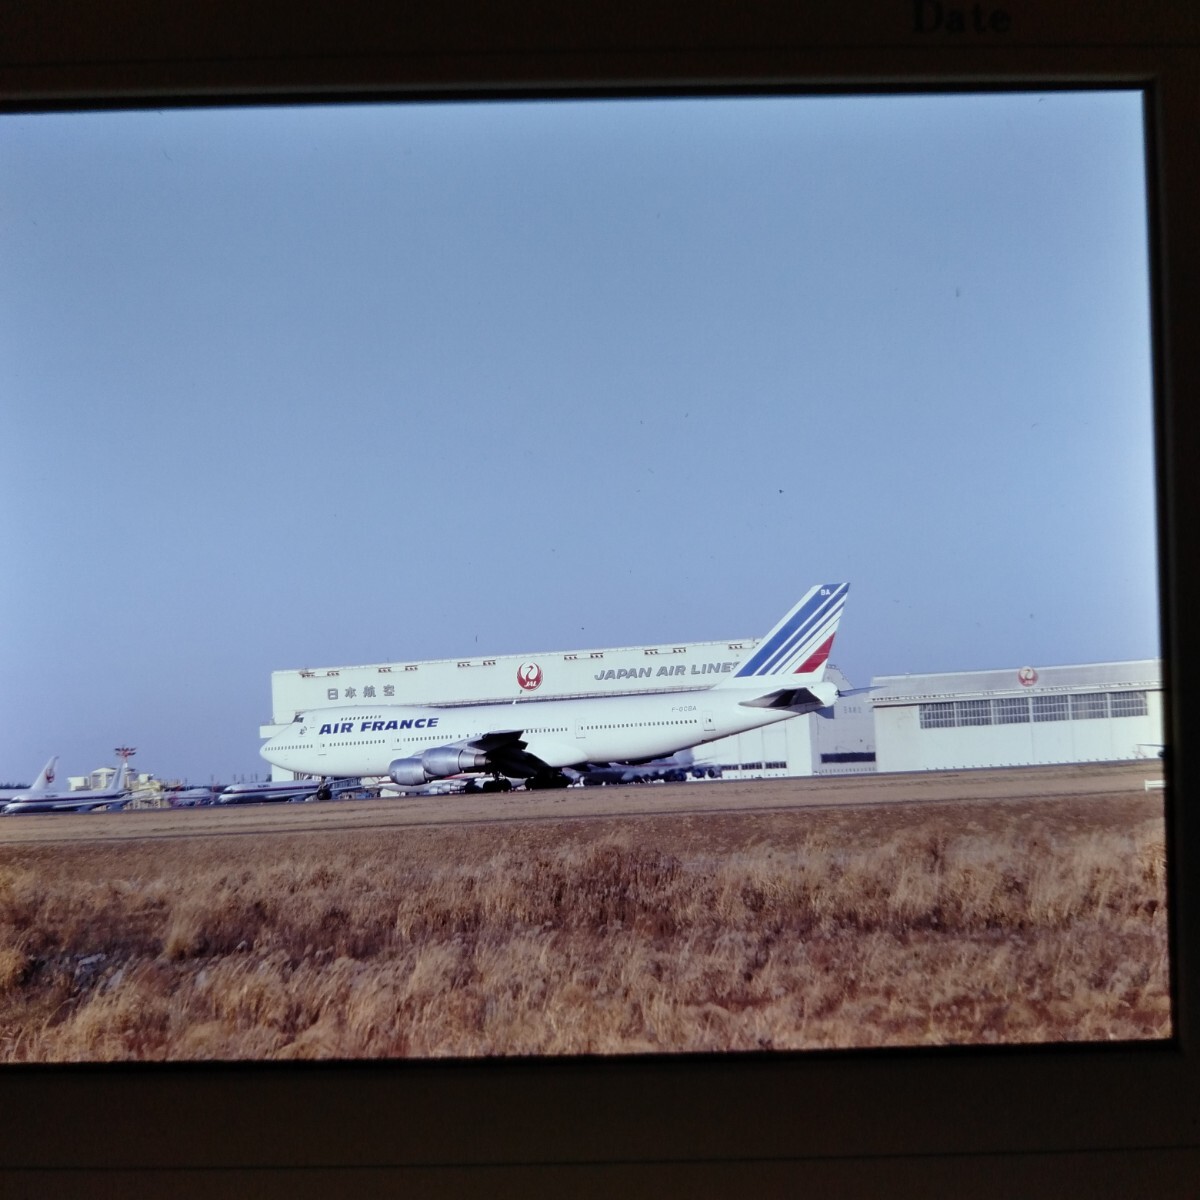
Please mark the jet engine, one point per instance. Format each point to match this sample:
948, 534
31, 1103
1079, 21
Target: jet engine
436, 763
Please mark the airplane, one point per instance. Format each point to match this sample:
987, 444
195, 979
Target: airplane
273, 792
39, 785
439, 787
109, 798
282, 791
535, 740
192, 797
264, 793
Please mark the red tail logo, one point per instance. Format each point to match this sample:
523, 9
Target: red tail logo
529, 676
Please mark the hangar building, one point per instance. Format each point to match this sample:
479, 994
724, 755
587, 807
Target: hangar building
805, 745
1099, 712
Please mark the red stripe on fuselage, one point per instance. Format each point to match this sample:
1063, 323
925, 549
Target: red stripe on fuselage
816, 658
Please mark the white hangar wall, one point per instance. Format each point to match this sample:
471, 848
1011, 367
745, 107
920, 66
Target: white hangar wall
843, 738
1097, 712
792, 747
837, 741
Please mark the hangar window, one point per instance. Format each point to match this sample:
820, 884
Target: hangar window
973, 712
1050, 708
937, 716
1129, 704
1010, 710
1090, 706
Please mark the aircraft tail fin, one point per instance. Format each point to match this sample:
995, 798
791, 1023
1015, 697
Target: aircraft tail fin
787, 668
46, 778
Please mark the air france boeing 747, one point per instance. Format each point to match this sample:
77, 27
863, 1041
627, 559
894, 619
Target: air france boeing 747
534, 740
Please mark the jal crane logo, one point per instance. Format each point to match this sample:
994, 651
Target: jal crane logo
1028, 676
529, 676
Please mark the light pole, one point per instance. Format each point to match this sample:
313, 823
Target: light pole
124, 753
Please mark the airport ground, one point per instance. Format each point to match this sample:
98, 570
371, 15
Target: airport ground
1024, 905
641, 800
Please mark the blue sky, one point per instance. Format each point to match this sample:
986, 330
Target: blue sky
320, 386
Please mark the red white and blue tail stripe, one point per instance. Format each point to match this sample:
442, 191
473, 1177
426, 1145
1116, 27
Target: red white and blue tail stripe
801, 642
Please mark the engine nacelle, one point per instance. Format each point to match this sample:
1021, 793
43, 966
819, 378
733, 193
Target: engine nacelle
408, 772
438, 762
441, 761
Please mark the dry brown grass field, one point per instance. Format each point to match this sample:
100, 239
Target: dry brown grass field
1011, 920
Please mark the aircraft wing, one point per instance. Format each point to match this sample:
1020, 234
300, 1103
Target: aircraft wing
498, 740
517, 761
507, 753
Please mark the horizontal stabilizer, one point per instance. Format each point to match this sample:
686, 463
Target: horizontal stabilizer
803, 699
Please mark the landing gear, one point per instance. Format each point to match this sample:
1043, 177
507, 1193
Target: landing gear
552, 779
497, 784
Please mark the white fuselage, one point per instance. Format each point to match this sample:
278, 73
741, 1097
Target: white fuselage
66, 802
561, 733
285, 790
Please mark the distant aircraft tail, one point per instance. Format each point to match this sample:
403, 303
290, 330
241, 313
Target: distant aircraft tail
46, 778
787, 668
